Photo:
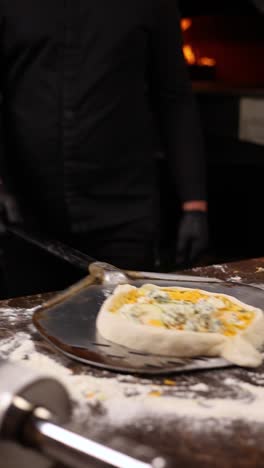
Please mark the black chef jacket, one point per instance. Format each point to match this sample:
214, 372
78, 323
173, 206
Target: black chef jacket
90, 89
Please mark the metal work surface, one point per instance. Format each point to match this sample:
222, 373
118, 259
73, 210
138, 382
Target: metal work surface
71, 327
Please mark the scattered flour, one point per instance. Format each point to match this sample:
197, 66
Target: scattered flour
230, 381
234, 278
126, 399
259, 270
10, 314
220, 267
223, 268
200, 387
197, 269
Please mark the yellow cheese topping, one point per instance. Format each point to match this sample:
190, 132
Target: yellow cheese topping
175, 308
180, 295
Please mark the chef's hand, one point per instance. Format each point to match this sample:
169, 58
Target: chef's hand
193, 235
9, 212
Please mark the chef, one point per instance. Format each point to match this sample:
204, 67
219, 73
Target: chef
90, 92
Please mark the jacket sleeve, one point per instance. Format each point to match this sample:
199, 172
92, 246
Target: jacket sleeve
174, 104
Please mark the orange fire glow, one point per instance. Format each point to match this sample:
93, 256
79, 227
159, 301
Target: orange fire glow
190, 55
186, 24
207, 62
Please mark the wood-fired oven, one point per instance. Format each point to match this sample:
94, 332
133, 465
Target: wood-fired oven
224, 49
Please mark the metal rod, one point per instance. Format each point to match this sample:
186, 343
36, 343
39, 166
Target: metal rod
82, 261
64, 252
75, 450
171, 277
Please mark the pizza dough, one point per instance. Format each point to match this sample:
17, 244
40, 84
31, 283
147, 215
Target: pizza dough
183, 322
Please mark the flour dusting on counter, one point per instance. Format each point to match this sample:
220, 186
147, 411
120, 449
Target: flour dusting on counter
222, 268
10, 314
235, 278
124, 400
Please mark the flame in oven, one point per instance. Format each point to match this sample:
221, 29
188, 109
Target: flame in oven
191, 56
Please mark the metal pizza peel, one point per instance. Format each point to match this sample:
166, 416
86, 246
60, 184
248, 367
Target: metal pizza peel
68, 320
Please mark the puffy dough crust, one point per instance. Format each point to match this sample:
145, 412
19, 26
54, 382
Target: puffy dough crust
241, 349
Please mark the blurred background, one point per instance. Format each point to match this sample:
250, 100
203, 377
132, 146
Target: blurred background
224, 49
223, 45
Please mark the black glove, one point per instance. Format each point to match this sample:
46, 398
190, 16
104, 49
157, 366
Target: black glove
193, 238
9, 212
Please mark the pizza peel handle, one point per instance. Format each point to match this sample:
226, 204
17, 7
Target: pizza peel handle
100, 271
58, 249
103, 272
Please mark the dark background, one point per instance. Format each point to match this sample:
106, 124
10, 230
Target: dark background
212, 7
232, 33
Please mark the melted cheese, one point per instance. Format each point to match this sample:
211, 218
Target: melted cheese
180, 309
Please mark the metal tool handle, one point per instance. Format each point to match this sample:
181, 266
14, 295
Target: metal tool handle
106, 273
64, 252
171, 277
74, 450
33, 427
33, 406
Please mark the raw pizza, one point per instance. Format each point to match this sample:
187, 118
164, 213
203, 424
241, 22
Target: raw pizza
183, 322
